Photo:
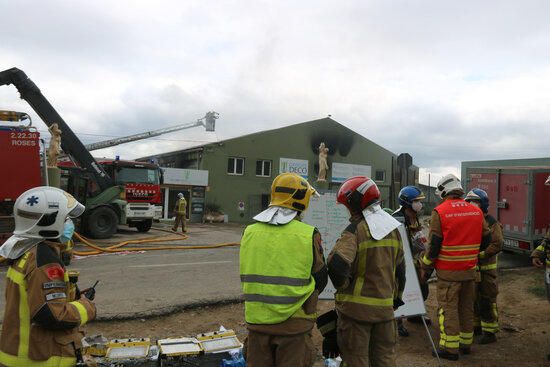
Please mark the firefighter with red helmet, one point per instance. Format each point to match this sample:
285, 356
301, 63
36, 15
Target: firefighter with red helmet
457, 231
367, 269
486, 311
410, 201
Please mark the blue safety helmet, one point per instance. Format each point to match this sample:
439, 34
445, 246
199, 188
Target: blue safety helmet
408, 194
480, 195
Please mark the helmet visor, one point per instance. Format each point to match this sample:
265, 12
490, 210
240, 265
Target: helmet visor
76, 211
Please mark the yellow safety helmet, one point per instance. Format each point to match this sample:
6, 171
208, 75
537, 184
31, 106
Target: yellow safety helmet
291, 191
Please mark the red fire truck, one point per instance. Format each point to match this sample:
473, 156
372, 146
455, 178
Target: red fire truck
141, 183
21, 164
519, 200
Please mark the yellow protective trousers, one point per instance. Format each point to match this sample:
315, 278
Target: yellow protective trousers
456, 314
486, 310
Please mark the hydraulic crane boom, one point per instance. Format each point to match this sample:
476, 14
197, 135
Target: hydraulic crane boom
208, 121
70, 143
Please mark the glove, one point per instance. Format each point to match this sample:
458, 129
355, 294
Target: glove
326, 323
397, 302
482, 255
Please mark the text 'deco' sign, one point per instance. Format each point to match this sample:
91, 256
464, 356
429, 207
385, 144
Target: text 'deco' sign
298, 166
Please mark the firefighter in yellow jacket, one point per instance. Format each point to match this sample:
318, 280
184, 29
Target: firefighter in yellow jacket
486, 311
181, 211
541, 259
41, 324
367, 269
282, 271
457, 232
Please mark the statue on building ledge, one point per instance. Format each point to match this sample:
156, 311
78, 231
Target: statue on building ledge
323, 164
55, 145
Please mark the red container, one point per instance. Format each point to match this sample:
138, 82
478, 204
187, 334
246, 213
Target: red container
518, 199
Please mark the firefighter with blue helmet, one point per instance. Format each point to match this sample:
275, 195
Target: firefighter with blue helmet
486, 311
410, 201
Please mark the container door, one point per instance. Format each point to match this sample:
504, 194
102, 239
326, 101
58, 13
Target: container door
514, 194
487, 182
541, 201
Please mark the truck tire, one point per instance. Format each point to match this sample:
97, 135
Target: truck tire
144, 226
101, 222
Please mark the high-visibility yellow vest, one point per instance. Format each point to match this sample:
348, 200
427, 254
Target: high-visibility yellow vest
275, 268
182, 204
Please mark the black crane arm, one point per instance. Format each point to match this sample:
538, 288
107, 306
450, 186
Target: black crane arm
70, 143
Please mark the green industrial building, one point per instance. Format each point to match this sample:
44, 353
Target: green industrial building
240, 170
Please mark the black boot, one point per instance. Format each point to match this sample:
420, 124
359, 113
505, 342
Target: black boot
465, 350
477, 330
446, 355
488, 338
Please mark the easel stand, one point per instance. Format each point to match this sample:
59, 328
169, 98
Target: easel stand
431, 339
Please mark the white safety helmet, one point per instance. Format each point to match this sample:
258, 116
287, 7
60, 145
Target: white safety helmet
180, 195
41, 212
448, 184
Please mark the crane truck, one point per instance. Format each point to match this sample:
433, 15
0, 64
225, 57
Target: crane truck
105, 204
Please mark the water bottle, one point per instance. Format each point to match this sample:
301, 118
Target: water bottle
237, 360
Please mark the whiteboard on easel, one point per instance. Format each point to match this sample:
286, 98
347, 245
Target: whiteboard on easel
331, 218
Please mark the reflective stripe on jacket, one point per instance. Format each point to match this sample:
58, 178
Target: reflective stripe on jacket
373, 286
40, 327
462, 226
275, 268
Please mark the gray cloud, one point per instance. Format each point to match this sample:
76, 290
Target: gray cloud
444, 81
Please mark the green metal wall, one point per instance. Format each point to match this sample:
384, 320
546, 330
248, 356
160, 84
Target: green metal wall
296, 142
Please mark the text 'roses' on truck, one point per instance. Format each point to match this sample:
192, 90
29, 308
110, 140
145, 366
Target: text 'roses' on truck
21, 164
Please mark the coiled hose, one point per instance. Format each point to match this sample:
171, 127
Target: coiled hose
118, 247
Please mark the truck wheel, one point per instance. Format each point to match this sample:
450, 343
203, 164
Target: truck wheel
144, 226
102, 222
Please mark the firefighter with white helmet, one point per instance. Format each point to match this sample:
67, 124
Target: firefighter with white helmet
486, 311
40, 322
457, 232
367, 269
181, 212
282, 272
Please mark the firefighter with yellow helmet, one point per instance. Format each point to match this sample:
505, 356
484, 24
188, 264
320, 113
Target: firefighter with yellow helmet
40, 321
282, 271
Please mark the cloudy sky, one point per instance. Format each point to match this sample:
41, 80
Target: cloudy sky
446, 81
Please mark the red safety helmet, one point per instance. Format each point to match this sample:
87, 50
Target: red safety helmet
357, 193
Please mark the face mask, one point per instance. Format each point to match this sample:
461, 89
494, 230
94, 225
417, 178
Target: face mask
68, 231
417, 206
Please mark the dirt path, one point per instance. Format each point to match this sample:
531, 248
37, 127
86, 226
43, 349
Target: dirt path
523, 341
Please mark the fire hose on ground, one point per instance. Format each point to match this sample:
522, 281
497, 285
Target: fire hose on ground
122, 245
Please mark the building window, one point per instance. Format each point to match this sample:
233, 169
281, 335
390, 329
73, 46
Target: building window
235, 166
263, 168
380, 175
